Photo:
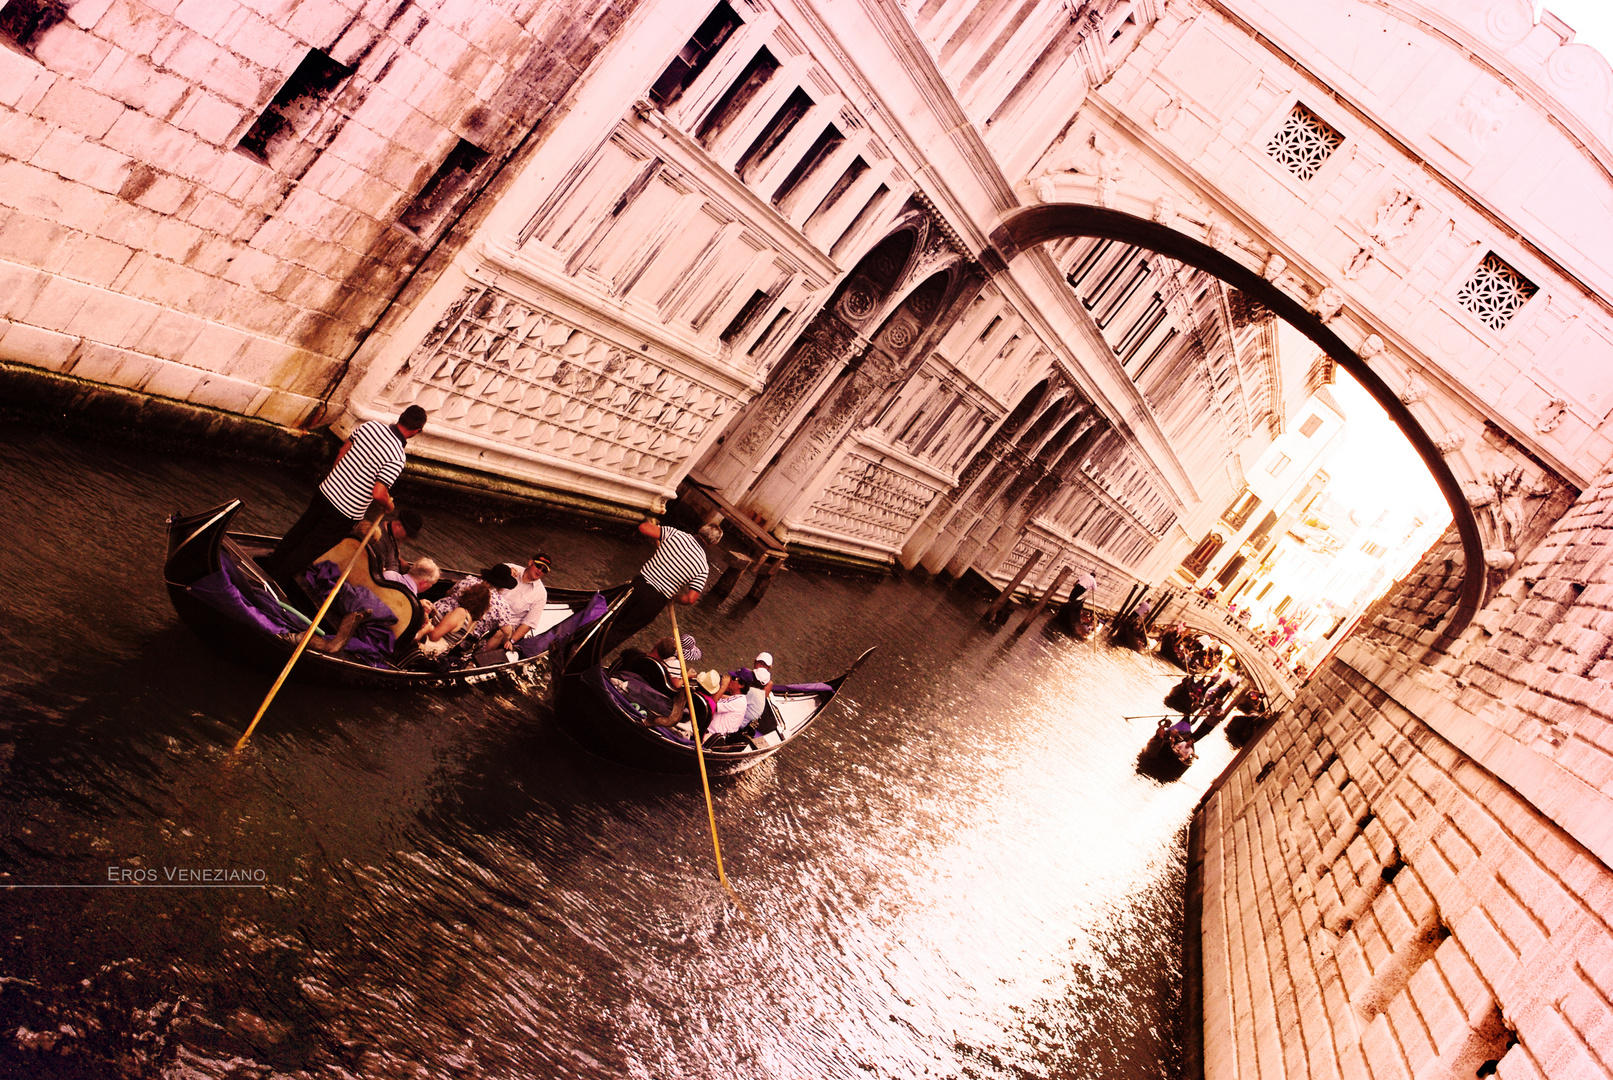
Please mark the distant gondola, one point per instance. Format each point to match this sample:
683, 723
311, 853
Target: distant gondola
1171, 750
1129, 632
1079, 626
221, 593
592, 707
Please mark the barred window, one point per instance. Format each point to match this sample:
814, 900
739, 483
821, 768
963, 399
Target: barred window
1495, 292
1304, 142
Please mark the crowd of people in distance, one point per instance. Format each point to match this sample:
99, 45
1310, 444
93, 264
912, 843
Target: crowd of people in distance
1181, 645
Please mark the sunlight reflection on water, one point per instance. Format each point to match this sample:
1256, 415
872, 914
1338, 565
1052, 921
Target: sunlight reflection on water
958, 872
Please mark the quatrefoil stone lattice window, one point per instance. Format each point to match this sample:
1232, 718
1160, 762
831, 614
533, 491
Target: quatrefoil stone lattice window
1495, 292
1304, 142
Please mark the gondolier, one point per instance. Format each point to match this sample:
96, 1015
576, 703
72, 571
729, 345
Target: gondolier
366, 467
676, 572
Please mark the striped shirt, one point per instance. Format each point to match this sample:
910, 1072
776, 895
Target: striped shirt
679, 563
374, 453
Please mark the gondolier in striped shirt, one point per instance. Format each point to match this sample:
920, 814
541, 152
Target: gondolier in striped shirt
366, 467
675, 573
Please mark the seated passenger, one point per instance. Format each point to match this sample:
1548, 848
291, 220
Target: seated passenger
469, 610
423, 573
499, 580
523, 604
762, 685
757, 684
728, 704
665, 653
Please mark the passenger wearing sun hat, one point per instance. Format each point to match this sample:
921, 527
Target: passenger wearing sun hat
728, 704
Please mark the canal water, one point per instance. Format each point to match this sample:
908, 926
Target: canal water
957, 873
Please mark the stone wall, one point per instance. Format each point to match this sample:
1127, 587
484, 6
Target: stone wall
212, 202
1408, 875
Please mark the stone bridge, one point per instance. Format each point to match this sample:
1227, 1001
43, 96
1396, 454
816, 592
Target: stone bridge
1258, 660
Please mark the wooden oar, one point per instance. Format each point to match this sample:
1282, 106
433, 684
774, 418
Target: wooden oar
700, 756
308, 636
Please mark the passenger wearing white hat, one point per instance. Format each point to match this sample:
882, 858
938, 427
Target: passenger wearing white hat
758, 686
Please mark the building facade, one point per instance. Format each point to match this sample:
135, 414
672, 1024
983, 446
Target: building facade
948, 283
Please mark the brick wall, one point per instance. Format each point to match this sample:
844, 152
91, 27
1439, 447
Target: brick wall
146, 243
1408, 876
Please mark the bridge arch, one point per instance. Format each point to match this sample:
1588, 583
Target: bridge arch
1032, 226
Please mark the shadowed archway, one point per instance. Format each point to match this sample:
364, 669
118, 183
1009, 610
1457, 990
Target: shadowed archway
1036, 225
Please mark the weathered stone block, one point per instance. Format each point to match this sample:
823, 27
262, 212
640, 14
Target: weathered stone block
111, 317
232, 395
108, 364
206, 17
71, 156
37, 347
174, 381
19, 287
211, 118
280, 407
170, 334
78, 108
68, 50
96, 261
1382, 1051
138, 84
215, 347
57, 304
21, 135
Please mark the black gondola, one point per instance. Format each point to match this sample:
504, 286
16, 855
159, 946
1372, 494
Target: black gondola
591, 706
216, 587
1159, 759
1129, 632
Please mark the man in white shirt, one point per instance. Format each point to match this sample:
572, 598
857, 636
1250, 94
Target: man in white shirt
523, 605
1085, 584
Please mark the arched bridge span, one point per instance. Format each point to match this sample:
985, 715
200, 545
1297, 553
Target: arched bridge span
1036, 225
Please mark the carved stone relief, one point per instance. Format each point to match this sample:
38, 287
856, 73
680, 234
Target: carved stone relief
1415, 389
1480, 113
1550, 416
1166, 116
1328, 305
1086, 157
1394, 218
503, 368
1449, 442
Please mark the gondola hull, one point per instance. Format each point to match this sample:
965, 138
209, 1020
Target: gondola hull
197, 548
589, 711
1158, 761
